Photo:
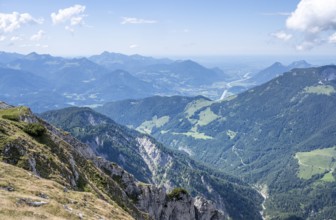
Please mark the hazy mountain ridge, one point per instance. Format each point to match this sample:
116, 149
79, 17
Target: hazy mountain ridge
133, 63
108, 77
257, 135
275, 70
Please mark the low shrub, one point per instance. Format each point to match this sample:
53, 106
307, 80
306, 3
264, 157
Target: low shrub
176, 193
34, 129
11, 117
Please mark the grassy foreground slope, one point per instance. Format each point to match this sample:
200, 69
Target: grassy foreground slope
21, 189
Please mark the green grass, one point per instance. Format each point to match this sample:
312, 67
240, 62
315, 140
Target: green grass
328, 177
320, 90
13, 112
147, 126
196, 105
28, 186
206, 117
317, 162
195, 135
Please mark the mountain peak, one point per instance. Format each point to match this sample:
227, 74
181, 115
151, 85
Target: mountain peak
35, 56
299, 64
4, 105
277, 64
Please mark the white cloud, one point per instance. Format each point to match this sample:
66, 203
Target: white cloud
332, 38
76, 21
15, 38
132, 46
13, 21
306, 45
129, 20
73, 14
276, 13
70, 29
310, 24
2, 38
38, 36
313, 16
281, 35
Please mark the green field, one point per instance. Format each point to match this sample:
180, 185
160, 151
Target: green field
320, 90
317, 162
194, 106
206, 116
194, 134
147, 126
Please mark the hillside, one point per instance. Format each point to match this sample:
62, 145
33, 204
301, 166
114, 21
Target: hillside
160, 166
47, 199
66, 180
258, 135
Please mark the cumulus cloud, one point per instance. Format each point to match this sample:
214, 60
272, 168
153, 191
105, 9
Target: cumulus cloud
38, 36
281, 35
313, 16
13, 21
72, 16
311, 24
129, 20
2, 38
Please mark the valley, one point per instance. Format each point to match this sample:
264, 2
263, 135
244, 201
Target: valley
261, 138
216, 149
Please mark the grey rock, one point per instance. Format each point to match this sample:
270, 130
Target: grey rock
31, 202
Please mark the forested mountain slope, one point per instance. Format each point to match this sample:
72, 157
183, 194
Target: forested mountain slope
261, 136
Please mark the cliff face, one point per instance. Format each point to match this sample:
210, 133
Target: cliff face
29, 143
152, 163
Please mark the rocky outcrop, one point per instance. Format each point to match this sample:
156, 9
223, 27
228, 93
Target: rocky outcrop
4, 105
63, 158
182, 206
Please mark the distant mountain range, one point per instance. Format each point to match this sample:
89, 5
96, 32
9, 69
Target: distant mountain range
132, 64
50, 82
99, 79
279, 136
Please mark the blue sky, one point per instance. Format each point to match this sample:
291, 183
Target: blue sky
168, 28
